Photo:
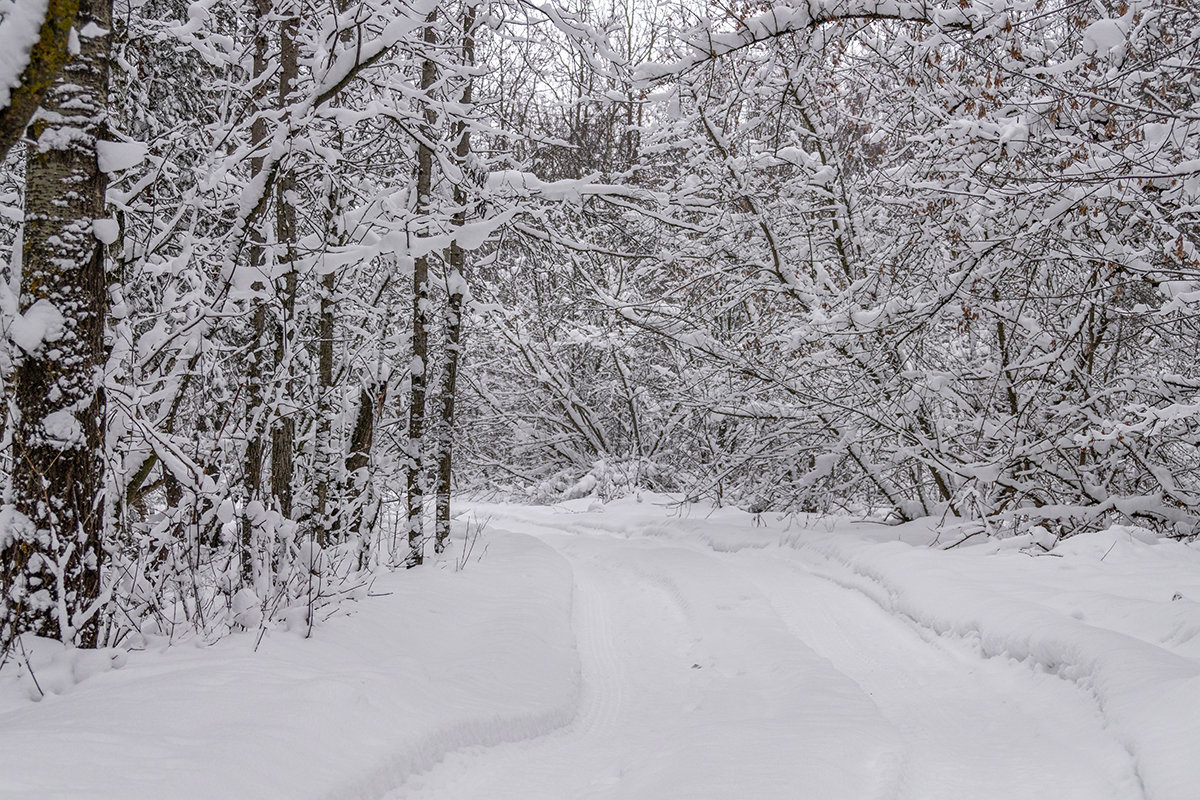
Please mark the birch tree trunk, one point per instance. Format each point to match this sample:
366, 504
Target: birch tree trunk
51, 542
418, 368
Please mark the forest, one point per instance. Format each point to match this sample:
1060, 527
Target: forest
284, 279
599, 399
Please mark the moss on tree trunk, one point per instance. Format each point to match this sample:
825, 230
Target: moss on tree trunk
51, 547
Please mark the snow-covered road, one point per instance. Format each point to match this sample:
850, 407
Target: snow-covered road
645, 651
750, 675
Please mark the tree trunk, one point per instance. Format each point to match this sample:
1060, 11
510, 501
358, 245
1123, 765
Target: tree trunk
326, 454
47, 58
324, 446
51, 548
283, 434
358, 495
456, 292
418, 368
253, 469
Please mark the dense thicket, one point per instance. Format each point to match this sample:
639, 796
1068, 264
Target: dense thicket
889, 257
903, 257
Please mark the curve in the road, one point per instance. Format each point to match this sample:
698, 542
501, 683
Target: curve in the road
744, 676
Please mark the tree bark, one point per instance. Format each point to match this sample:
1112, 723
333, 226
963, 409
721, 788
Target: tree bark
456, 291
283, 434
358, 494
51, 543
46, 60
255, 450
326, 454
418, 368
324, 435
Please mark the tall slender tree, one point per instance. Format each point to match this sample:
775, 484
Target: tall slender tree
419, 366
457, 292
253, 522
52, 540
283, 432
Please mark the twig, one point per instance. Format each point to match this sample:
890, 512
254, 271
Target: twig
28, 666
965, 538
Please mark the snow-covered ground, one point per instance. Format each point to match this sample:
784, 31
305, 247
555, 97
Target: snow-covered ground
640, 650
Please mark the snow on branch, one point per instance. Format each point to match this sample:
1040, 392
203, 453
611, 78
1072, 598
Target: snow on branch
788, 18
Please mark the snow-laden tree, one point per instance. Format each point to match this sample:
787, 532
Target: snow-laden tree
952, 248
312, 267
276, 171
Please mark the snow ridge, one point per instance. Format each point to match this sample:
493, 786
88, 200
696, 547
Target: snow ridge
466, 721
1147, 693
423, 754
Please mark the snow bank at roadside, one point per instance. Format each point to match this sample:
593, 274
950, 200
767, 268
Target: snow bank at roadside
1098, 612
1116, 612
442, 660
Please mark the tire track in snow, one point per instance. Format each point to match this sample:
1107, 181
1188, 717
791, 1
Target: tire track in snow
693, 690
583, 759
975, 727
1001, 685
602, 696
1067, 671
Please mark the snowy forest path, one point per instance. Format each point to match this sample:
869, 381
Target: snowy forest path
750, 676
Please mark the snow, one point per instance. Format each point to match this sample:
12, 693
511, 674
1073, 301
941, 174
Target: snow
118, 156
644, 649
1101, 615
106, 231
92, 30
434, 660
1103, 36
20, 27
62, 429
41, 322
